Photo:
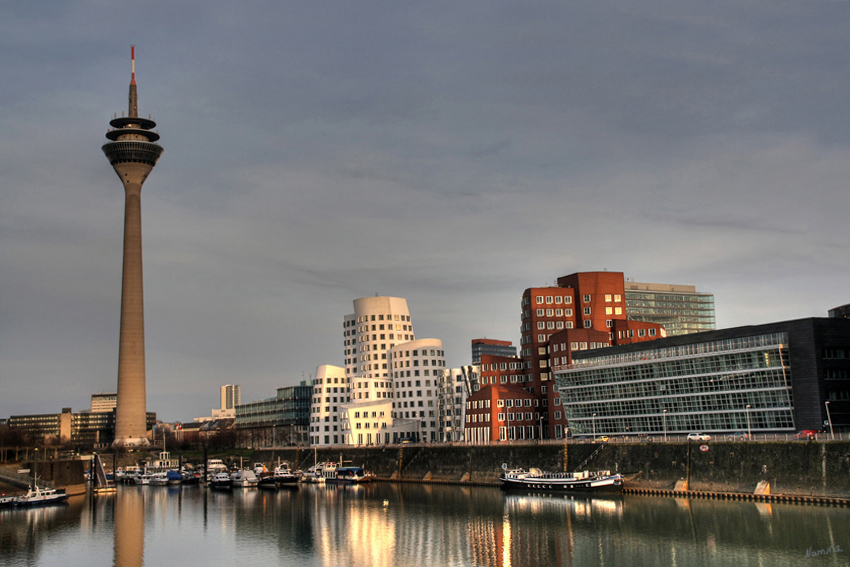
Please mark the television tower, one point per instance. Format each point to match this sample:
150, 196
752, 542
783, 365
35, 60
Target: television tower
132, 153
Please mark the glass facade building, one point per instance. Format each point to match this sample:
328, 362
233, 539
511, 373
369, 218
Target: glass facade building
774, 378
728, 385
681, 309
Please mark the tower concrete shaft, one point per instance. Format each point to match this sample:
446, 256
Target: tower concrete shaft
132, 153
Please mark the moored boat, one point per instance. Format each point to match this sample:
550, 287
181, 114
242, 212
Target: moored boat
36, 496
244, 479
220, 480
345, 475
284, 476
584, 481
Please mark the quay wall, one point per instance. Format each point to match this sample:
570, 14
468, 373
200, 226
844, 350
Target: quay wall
813, 468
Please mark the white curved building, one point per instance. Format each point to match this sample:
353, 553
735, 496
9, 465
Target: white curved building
417, 369
330, 390
377, 324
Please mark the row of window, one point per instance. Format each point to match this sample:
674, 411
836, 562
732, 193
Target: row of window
375, 317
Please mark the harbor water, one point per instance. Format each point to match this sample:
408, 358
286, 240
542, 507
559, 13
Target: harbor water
385, 524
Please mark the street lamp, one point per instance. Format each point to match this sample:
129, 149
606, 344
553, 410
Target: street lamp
274, 436
749, 429
540, 419
829, 419
594, 426
664, 415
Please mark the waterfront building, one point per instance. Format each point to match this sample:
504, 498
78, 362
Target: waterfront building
86, 427
417, 370
390, 379
455, 386
680, 309
330, 391
492, 347
582, 311
132, 151
502, 412
272, 422
367, 423
779, 377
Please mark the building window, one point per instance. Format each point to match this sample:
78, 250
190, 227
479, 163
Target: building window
539, 299
586, 298
587, 324
586, 310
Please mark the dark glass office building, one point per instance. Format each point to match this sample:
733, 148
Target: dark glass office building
779, 377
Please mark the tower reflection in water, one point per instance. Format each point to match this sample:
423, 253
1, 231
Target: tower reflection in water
129, 545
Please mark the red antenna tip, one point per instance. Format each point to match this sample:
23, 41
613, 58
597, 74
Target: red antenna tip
132, 64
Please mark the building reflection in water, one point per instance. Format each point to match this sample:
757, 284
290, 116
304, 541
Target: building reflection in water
410, 524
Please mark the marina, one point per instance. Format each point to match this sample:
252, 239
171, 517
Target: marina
387, 524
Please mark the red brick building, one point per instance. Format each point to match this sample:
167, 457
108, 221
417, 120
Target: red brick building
584, 311
501, 412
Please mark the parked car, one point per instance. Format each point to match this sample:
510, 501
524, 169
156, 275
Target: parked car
698, 436
806, 435
738, 436
601, 439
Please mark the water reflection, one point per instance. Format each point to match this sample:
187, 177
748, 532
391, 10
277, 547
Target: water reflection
389, 525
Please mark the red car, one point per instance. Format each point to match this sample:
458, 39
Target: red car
806, 434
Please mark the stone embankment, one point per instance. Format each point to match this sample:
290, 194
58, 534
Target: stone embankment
802, 471
794, 468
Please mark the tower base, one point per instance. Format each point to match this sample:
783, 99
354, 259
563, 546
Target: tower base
131, 443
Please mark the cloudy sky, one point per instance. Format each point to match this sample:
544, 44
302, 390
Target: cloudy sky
452, 153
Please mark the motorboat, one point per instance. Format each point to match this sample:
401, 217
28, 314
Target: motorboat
158, 479
345, 475
584, 481
283, 475
37, 496
173, 477
244, 479
220, 480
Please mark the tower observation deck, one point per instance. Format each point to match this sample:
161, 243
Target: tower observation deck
132, 151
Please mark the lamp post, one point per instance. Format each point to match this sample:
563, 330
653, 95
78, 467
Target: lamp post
664, 415
749, 429
829, 419
594, 426
274, 436
540, 419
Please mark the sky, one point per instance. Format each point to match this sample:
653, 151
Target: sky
451, 153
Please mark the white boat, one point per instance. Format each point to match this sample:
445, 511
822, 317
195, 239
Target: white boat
158, 479
315, 473
244, 479
284, 475
345, 475
143, 479
585, 481
215, 465
127, 474
220, 480
36, 496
